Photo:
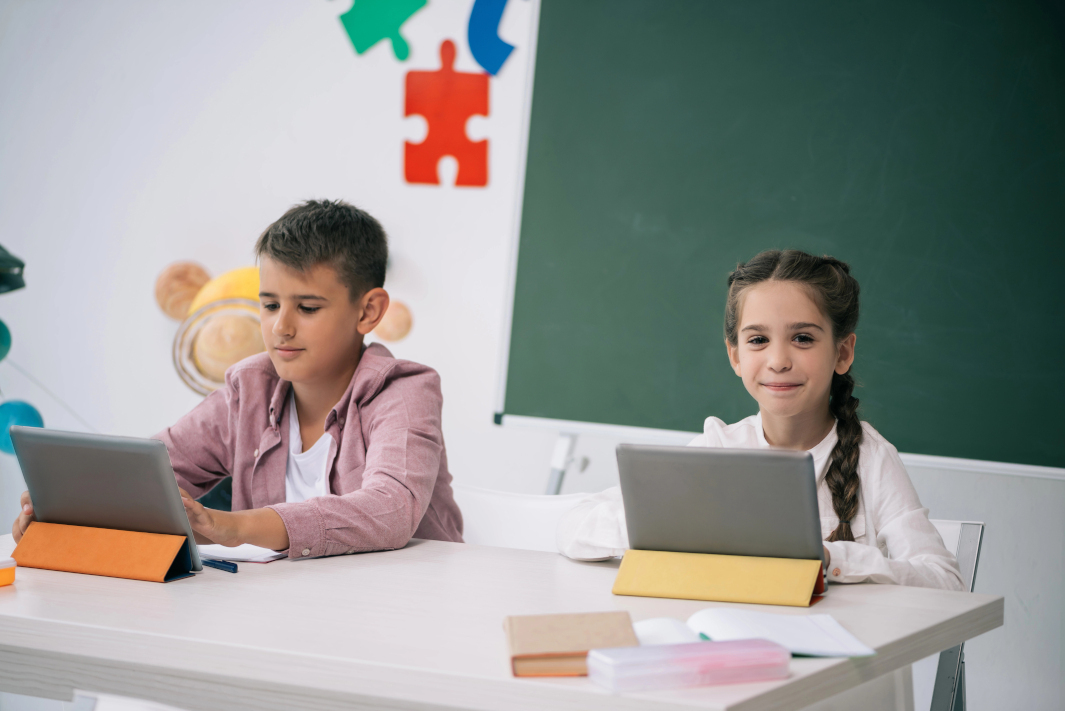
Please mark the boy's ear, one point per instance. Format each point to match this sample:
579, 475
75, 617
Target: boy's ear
733, 356
845, 354
372, 308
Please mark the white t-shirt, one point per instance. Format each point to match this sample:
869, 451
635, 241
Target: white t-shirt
305, 475
894, 542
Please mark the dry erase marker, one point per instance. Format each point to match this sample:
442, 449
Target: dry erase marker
221, 565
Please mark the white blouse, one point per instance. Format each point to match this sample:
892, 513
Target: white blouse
894, 542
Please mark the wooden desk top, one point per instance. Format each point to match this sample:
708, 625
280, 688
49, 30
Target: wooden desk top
417, 628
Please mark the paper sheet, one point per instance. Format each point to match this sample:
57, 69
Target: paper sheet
664, 630
244, 553
812, 635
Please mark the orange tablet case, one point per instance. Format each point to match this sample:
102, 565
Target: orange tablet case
154, 557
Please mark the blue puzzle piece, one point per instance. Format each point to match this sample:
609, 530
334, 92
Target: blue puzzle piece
483, 35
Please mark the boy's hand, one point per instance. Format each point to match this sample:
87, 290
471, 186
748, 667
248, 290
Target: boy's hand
25, 517
260, 527
215, 526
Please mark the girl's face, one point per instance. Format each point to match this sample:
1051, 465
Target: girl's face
785, 352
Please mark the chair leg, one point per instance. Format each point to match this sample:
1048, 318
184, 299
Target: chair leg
959, 695
943, 693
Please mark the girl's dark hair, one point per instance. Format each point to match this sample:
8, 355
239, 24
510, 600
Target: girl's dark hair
332, 231
832, 287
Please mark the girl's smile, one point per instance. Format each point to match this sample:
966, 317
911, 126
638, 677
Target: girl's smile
782, 387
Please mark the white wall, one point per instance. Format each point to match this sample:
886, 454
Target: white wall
134, 134
1020, 665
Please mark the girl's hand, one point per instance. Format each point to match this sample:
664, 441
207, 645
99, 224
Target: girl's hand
215, 526
25, 517
828, 558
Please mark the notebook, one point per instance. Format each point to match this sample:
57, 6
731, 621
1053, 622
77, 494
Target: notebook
807, 635
558, 645
244, 553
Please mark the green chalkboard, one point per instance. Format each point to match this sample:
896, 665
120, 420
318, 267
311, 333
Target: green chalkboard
923, 142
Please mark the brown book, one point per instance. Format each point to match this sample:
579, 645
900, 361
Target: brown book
558, 645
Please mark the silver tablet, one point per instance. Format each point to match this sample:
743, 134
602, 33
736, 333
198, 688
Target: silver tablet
753, 502
103, 482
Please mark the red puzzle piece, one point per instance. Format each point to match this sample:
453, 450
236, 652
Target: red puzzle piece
446, 99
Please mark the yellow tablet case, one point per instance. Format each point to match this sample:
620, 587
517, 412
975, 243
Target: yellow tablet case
720, 578
155, 557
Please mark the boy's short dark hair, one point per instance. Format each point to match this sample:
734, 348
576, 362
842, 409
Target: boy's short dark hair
332, 231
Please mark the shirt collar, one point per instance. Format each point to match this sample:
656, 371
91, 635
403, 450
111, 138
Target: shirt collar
364, 384
821, 452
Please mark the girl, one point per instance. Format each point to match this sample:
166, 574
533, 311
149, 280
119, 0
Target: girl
789, 331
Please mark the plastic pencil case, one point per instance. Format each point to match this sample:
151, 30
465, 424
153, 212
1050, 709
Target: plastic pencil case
671, 666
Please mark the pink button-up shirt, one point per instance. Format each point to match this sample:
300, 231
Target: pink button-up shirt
387, 468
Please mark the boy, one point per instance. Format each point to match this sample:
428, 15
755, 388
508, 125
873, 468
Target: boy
333, 447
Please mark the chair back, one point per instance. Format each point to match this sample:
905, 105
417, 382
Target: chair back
507, 520
964, 539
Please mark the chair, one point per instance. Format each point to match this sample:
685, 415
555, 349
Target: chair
220, 496
499, 518
947, 692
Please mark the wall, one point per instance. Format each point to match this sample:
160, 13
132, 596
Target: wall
1020, 665
135, 134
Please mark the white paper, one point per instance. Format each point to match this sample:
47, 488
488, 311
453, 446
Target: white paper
812, 635
244, 553
664, 630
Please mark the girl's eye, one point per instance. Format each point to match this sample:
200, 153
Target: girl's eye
758, 341
804, 338
309, 309
270, 307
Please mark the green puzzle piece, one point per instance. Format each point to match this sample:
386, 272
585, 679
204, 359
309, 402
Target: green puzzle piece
370, 21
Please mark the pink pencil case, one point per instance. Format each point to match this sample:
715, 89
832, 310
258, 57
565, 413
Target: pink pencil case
671, 666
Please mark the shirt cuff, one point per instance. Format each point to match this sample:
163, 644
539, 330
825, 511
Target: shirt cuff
837, 568
306, 529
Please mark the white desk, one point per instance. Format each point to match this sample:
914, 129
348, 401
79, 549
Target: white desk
419, 628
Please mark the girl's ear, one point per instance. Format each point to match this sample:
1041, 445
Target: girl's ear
845, 354
734, 356
372, 308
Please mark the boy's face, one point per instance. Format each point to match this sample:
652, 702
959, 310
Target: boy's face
785, 352
312, 329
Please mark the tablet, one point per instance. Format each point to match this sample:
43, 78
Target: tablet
754, 502
103, 482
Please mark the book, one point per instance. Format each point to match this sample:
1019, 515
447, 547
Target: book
807, 635
244, 553
558, 645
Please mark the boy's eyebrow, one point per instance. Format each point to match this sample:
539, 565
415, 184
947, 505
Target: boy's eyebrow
301, 297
